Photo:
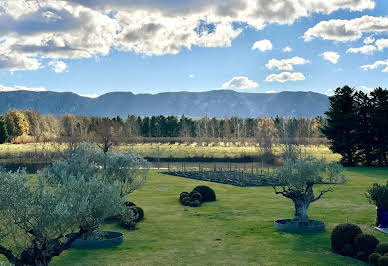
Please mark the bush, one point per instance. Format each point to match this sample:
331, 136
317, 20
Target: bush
378, 195
195, 203
139, 212
129, 204
184, 195
342, 238
364, 245
207, 193
128, 225
382, 261
186, 201
195, 195
382, 248
373, 258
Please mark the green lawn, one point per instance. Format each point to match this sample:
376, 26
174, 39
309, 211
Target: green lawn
237, 229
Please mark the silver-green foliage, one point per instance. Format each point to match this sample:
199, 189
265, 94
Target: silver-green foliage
125, 169
34, 218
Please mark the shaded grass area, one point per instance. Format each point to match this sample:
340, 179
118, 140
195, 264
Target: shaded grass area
237, 229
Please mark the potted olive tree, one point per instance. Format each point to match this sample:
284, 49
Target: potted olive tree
298, 178
378, 195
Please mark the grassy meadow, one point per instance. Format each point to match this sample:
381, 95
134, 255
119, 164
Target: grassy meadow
180, 151
237, 229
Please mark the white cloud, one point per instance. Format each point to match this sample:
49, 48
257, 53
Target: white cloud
369, 40
240, 82
58, 66
382, 44
19, 88
366, 49
191, 76
271, 91
287, 49
329, 92
285, 76
347, 30
263, 45
331, 56
376, 65
286, 64
58, 29
366, 89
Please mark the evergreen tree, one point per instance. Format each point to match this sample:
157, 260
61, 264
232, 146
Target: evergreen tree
341, 124
379, 98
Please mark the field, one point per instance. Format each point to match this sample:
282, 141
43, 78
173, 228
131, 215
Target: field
177, 151
237, 229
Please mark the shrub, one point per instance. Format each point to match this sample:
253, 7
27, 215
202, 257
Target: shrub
382, 248
128, 225
378, 195
373, 258
195, 195
195, 203
207, 193
382, 261
184, 195
129, 204
186, 201
364, 245
342, 238
139, 212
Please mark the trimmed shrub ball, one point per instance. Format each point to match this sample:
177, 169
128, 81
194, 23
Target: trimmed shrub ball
186, 201
138, 211
128, 225
207, 193
129, 204
195, 195
195, 203
364, 245
382, 248
342, 238
373, 258
184, 195
382, 261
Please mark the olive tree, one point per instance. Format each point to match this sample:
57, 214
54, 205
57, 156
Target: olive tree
298, 178
35, 217
128, 170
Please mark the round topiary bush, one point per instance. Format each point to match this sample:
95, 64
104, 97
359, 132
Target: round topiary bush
195, 195
184, 195
138, 211
186, 201
129, 204
195, 203
207, 193
130, 225
382, 248
373, 258
364, 245
342, 238
382, 261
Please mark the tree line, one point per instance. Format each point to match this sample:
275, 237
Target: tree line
357, 126
29, 125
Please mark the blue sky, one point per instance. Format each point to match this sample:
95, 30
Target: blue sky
159, 46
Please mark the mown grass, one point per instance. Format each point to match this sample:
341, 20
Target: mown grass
237, 229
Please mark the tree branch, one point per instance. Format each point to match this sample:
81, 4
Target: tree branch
321, 194
8, 254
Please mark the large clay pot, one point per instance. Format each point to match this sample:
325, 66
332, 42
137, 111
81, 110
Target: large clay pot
382, 217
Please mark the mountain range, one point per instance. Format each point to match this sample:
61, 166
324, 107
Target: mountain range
217, 103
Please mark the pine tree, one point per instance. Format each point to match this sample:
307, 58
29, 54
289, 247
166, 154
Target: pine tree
341, 124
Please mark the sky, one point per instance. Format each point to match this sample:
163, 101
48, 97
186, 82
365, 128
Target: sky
151, 46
